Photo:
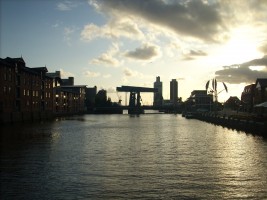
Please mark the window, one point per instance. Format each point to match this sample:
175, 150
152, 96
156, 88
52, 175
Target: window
18, 105
18, 92
18, 80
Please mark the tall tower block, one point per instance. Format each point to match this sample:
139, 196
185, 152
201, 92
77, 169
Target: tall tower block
174, 91
158, 99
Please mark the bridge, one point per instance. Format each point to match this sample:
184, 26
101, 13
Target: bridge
134, 106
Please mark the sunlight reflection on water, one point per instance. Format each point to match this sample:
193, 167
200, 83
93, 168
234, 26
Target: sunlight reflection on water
122, 157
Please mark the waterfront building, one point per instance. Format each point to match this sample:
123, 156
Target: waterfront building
201, 100
67, 81
101, 99
260, 91
174, 91
158, 99
232, 103
26, 93
90, 95
68, 98
247, 97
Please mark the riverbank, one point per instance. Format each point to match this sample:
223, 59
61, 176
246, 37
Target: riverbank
21, 117
242, 122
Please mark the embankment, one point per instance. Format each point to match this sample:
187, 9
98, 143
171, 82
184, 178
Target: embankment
248, 125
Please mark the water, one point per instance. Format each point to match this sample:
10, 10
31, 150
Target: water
156, 156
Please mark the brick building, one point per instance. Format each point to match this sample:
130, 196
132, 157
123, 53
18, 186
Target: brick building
26, 93
247, 97
260, 91
68, 98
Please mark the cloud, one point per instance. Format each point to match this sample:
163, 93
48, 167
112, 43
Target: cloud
107, 76
263, 48
193, 54
128, 72
108, 58
91, 74
66, 5
65, 74
243, 73
198, 19
105, 59
68, 32
111, 90
115, 28
146, 52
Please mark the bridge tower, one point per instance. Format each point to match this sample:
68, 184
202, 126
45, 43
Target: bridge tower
135, 97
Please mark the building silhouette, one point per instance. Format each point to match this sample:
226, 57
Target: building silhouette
68, 98
247, 97
90, 95
158, 99
200, 100
26, 93
260, 90
174, 91
30, 94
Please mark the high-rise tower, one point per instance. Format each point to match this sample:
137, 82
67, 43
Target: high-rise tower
158, 95
174, 91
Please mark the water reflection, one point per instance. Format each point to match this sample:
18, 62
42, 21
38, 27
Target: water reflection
124, 157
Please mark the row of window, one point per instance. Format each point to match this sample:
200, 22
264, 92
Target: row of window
27, 80
34, 104
35, 93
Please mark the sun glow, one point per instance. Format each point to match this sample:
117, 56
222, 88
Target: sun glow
242, 46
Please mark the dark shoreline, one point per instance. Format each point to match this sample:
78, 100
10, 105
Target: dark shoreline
247, 125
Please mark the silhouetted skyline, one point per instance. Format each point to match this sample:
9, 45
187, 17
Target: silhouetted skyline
108, 43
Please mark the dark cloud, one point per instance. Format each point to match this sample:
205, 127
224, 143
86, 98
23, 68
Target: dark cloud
243, 73
193, 54
197, 19
145, 52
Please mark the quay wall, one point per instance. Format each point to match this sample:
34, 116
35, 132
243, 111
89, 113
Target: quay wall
246, 125
18, 117
14, 117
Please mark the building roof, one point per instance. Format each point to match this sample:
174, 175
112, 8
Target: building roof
199, 92
73, 86
262, 82
12, 61
233, 99
55, 74
249, 89
40, 69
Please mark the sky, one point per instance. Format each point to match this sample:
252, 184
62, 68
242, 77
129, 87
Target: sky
110, 43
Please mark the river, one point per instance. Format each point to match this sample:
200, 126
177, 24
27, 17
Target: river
151, 156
